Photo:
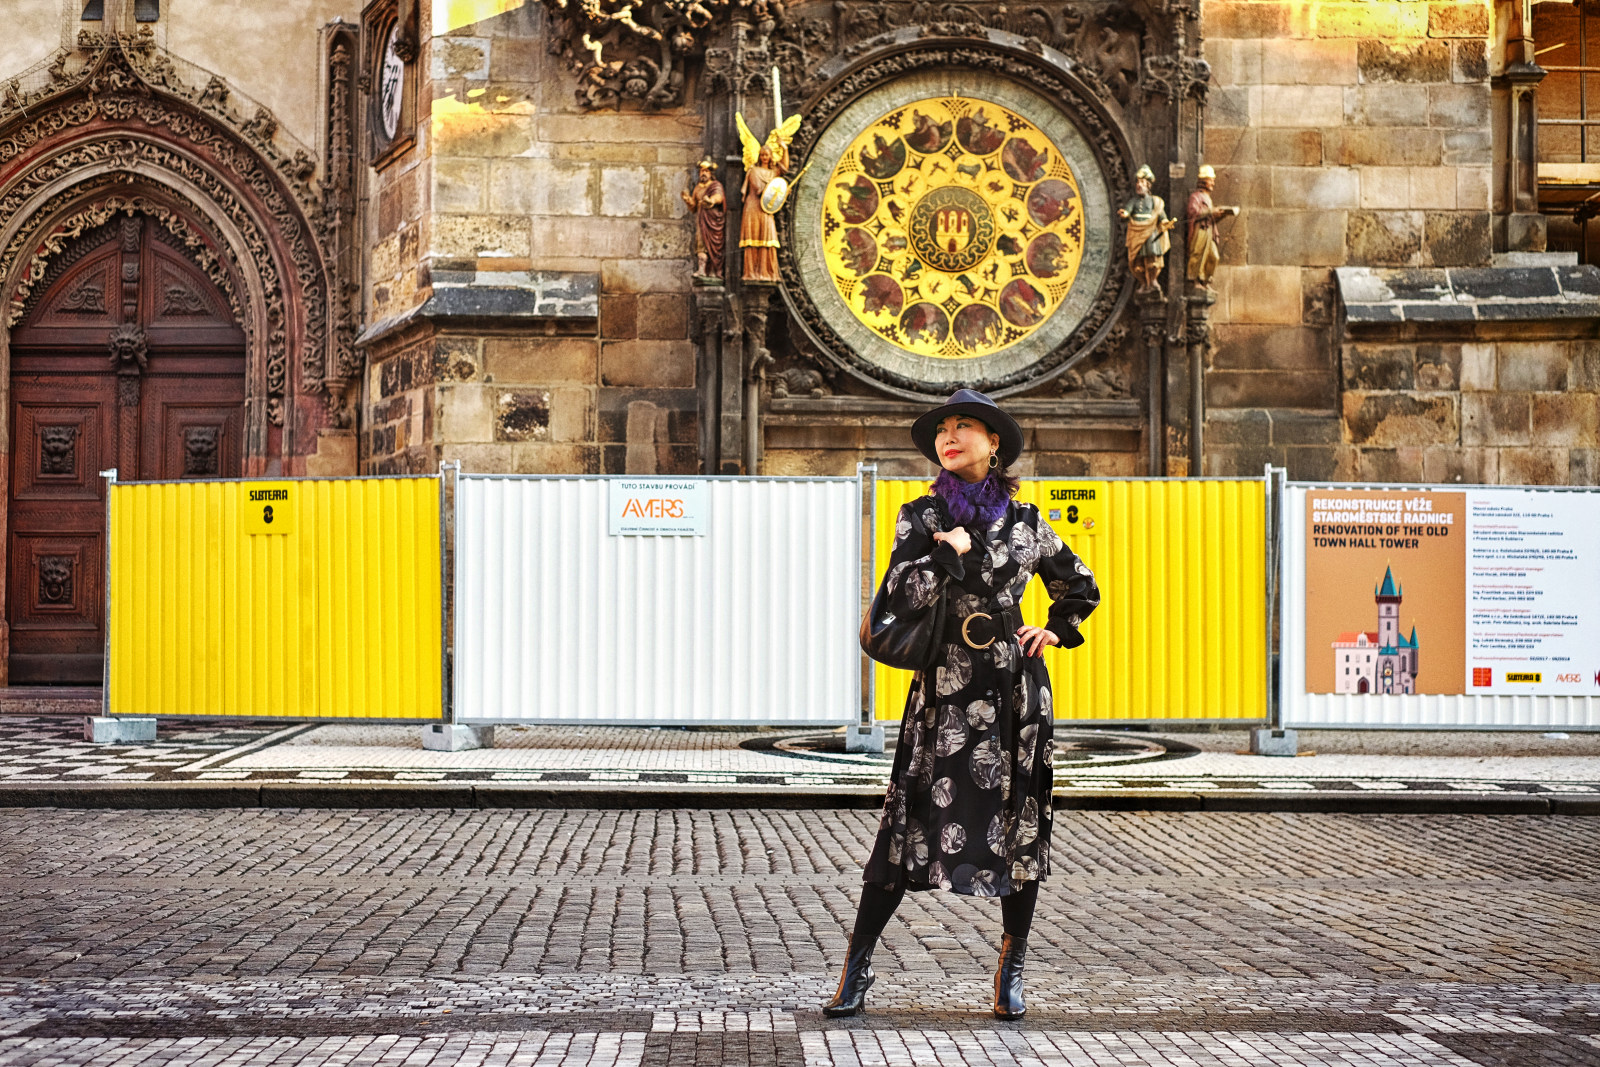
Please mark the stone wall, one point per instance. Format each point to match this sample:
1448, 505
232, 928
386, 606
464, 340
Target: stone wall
1349, 134
511, 181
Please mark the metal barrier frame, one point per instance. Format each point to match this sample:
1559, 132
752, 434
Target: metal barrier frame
1292, 567
111, 480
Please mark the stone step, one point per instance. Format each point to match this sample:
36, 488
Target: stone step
50, 700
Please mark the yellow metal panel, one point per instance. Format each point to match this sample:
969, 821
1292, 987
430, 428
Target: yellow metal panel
337, 617
1181, 630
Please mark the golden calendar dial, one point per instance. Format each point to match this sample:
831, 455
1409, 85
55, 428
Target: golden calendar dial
952, 227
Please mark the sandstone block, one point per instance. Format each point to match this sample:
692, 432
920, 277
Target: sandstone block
1287, 61
625, 191
657, 364
518, 360
1260, 294
663, 316
522, 415
1114, 464
1233, 143
472, 236
1459, 106
1294, 148
1431, 187
1392, 420
1495, 419
486, 134
1458, 20
1571, 420
1470, 62
1457, 238
667, 182
516, 58
571, 414
1320, 188
546, 457
480, 459
1534, 366
634, 127
561, 189
1269, 389
1467, 148
600, 238
1583, 466
1244, 187
1370, 21
1233, 106
1233, 62
1274, 348
593, 152
458, 185
1534, 466
1405, 61
1301, 105
644, 275
1438, 367
1290, 427
1383, 105
1385, 187
619, 316
460, 57
1391, 464
1385, 238
1223, 20
1471, 466
1472, 188
1319, 463
1238, 426
456, 359
397, 200
666, 240
1478, 366
1048, 465
465, 413
1372, 147
1298, 238
1378, 367
1584, 371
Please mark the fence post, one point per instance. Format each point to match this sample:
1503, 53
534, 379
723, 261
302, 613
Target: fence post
1274, 740
447, 735
867, 733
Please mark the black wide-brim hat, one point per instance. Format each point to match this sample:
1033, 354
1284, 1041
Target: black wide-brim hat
969, 402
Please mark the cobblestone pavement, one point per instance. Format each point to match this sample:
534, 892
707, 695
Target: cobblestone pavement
341, 937
50, 750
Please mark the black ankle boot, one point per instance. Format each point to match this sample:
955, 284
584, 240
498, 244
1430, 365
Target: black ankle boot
1008, 979
853, 983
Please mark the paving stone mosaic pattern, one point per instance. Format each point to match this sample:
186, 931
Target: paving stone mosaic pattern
45, 749
341, 937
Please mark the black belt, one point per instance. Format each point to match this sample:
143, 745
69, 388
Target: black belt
982, 629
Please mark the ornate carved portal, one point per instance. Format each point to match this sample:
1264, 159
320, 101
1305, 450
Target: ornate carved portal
1050, 108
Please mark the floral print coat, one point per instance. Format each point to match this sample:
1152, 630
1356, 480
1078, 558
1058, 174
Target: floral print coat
968, 806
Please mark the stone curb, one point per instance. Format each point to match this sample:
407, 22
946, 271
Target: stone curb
199, 795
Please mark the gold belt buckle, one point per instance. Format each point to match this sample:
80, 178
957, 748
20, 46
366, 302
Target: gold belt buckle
968, 637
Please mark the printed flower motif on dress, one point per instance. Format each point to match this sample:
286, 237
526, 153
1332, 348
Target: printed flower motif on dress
1005, 654
943, 792
987, 761
952, 839
938, 876
999, 833
956, 672
923, 588
1026, 738
952, 731
1027, 830
1024, 546
1082, 568
980, 714
916, 845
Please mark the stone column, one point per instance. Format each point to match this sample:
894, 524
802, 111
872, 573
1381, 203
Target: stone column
1153, 331
1514, 77
1198, 332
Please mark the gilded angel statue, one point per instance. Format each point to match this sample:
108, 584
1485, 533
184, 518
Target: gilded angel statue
765, 189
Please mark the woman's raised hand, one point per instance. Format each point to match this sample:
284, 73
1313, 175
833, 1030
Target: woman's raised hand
957, 539
1034, 639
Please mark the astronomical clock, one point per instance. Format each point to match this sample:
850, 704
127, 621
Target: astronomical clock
950, 228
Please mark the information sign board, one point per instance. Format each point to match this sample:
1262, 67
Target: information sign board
658, 506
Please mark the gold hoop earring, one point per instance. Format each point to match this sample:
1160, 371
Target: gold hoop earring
994, 460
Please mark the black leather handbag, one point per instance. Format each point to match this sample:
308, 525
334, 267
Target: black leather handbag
910, 644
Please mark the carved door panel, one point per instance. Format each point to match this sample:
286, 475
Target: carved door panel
129, 359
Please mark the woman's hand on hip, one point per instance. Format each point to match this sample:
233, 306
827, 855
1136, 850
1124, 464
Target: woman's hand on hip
1034, 639
957, 539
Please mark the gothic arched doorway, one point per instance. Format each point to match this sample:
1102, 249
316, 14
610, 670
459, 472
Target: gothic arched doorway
128, 357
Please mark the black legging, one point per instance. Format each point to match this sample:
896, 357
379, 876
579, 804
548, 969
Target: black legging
878, 904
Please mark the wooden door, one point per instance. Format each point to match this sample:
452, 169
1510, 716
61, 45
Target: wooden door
129, 358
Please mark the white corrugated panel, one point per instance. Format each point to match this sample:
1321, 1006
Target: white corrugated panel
1422, 711
559, 621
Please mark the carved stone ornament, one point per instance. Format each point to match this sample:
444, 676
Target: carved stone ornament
200, 450
234, 162
944, 237
55, 579
58, 450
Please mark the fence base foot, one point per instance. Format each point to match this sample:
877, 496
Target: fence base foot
864, 738
453, 737
1274, 743
106, 731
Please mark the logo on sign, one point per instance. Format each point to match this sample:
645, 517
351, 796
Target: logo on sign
1524, 676
1482, 676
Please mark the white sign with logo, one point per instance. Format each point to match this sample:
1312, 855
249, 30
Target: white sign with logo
671, 507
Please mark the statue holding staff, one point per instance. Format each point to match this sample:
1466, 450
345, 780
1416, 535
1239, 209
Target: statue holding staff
1146, 239
765, 189
709, 203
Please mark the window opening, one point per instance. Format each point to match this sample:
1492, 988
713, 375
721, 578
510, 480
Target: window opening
1567, 36
94, 11
146, 10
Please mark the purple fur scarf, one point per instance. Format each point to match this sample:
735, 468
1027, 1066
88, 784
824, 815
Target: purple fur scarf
984, 501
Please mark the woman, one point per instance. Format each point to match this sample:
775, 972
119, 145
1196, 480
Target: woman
968, 806
758, 233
